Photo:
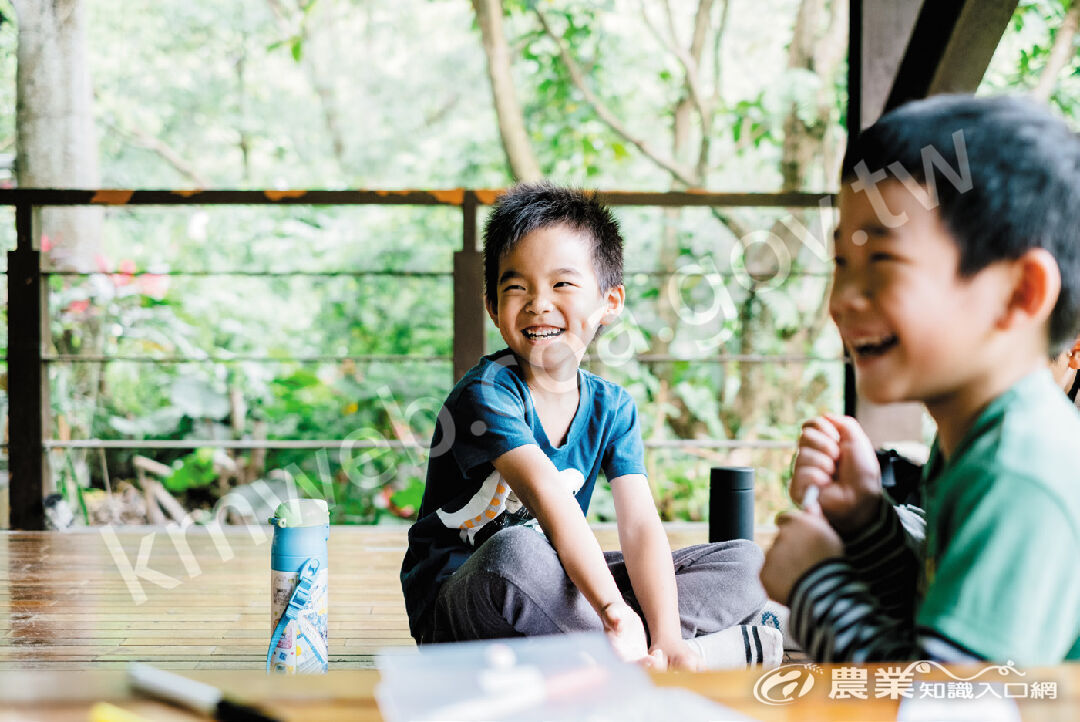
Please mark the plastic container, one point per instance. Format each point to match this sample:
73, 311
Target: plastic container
299, 555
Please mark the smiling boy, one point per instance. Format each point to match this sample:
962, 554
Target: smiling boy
957, 276
501, 547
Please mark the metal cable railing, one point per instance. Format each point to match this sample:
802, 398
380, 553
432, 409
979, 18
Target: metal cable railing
373, 444
404, 358
28, 308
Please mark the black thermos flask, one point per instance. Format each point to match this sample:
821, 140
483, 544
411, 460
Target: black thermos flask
731, 503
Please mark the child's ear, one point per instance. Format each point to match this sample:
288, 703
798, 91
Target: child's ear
492, 311
1037, 283
615, 298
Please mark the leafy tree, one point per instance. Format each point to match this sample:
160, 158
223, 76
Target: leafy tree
629, 94
1039, 54
580, 53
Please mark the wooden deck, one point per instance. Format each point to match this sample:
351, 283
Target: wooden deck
72, 624
67, 604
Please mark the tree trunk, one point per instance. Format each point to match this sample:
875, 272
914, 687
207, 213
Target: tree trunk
515, 138
817, 44
666, 400
56, 145
1061, 53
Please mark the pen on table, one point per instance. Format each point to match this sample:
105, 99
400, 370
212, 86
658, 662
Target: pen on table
197, 696
810, 498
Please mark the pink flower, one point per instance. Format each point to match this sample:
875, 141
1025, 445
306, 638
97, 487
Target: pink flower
153, 285
127, 271
78, 306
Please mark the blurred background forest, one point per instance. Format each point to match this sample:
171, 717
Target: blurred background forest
283, 323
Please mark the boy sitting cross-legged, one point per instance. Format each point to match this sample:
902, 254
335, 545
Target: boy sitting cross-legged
501, 547
957, 276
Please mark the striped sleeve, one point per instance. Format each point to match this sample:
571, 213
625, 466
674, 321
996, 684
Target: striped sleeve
835, 617
885, 555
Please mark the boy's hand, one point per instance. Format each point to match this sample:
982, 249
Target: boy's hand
836, 456
676, 654
626, 633
803, 539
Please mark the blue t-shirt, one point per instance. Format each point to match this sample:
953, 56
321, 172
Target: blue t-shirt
488, 413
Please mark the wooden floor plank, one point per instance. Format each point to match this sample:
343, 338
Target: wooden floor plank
65, 604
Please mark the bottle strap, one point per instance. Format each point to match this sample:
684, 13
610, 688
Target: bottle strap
297, 602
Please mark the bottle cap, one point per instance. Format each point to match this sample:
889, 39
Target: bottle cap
301, 512
735, 478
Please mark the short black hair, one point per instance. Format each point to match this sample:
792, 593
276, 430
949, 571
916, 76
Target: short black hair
1012, 182
528, 207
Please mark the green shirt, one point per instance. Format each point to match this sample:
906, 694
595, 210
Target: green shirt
1002, 566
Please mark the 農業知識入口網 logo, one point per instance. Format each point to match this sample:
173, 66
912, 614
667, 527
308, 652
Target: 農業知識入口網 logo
790, 682
786, 683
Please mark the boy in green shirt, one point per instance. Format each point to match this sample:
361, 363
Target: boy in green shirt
957, 276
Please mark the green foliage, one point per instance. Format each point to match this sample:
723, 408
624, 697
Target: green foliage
378, 94
193, 471
1021, 57
196, 399
407, 500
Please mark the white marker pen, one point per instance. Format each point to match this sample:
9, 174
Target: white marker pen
199, 697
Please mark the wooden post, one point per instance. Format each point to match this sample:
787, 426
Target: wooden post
902, 50
880, 30
469, 313
950, 48
27, 389
879, 34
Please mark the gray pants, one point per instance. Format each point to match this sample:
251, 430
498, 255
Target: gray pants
514, 585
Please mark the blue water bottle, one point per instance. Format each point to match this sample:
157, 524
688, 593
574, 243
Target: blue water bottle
299, 589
